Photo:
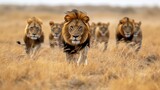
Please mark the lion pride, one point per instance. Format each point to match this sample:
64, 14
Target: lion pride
76, 36
33, 36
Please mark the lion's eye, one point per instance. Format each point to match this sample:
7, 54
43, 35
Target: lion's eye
80, 28
71, 27
125, 26
130, 26
31, 27
37, 28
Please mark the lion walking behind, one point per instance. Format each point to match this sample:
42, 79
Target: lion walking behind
33, 36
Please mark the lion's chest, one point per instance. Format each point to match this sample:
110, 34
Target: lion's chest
74, 49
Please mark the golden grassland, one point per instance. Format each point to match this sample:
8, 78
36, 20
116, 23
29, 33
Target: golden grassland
113, 69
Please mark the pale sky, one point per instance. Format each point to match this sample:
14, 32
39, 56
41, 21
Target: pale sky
84, 2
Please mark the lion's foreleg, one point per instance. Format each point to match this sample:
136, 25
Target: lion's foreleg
35, 50
96, 42
138, 46
51, 43
83, 56
27, 50
69, 57
105, 46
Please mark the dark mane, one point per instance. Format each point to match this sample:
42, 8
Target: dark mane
74, 49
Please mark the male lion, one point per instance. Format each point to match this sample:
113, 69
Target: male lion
102, 34
76, 35
33, 36
125, 30
55, 35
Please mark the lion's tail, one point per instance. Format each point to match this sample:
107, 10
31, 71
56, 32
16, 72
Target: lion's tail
18, 42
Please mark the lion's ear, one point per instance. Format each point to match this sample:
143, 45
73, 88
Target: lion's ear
122, 21
51, 23
62, 23
29, 21
40, 21
86, 19
108, 24
99, 23
67, 18
139, 23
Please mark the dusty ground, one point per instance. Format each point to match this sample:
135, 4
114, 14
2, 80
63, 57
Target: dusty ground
111, 70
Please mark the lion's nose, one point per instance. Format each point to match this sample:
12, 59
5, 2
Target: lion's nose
75, 36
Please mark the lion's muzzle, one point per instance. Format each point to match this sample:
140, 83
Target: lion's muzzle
127, 35
34, 36
56, 35
76, 39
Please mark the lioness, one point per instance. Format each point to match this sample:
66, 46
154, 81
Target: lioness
55, 35
102, 34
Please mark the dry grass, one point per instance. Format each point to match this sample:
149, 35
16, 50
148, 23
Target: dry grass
112, 70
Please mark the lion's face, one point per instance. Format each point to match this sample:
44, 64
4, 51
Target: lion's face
76, 28
103, 28
56, 29
127, 27
137, 25
34, 28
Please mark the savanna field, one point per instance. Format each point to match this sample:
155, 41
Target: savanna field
114, 69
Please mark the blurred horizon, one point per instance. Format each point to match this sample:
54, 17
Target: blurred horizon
122, 3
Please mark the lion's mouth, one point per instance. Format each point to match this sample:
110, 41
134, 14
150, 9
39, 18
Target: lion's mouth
103, 34
76, 42
127, 35
56, 36
34, 37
